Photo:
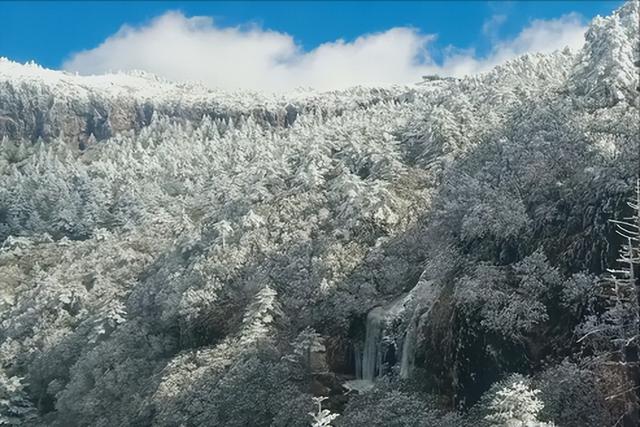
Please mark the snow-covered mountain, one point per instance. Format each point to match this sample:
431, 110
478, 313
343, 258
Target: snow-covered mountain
41, 103
425, 255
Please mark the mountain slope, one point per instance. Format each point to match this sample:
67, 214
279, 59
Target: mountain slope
172, 255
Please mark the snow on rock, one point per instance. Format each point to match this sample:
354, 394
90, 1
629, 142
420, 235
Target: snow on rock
38, 103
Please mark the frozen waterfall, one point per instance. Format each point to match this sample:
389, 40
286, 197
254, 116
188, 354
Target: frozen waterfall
372, 354
393, 329
408, 356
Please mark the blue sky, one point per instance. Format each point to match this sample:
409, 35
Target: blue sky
51, 33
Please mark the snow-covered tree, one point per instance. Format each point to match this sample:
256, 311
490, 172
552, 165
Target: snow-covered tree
513, 403
176, 269
322, 417
15, 406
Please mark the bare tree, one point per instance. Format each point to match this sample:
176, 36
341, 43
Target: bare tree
624, 313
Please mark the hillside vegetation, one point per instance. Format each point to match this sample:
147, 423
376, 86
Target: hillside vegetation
175, 256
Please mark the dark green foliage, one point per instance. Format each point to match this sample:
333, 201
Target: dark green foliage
383, 408
573, 397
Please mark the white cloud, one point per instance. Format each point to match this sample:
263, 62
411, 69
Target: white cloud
542, 36
196, 49
492, 25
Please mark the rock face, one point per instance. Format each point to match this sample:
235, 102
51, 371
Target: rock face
340, 356
40, 104
325, 382
44, 109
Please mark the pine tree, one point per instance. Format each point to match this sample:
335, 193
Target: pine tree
261, 316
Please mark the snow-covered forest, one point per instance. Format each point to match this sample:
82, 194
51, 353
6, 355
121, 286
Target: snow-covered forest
443, 254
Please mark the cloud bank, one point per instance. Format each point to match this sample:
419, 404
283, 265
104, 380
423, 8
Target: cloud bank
196, 49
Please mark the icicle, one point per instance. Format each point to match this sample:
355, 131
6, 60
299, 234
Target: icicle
358, 361
407, 357
371, 356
